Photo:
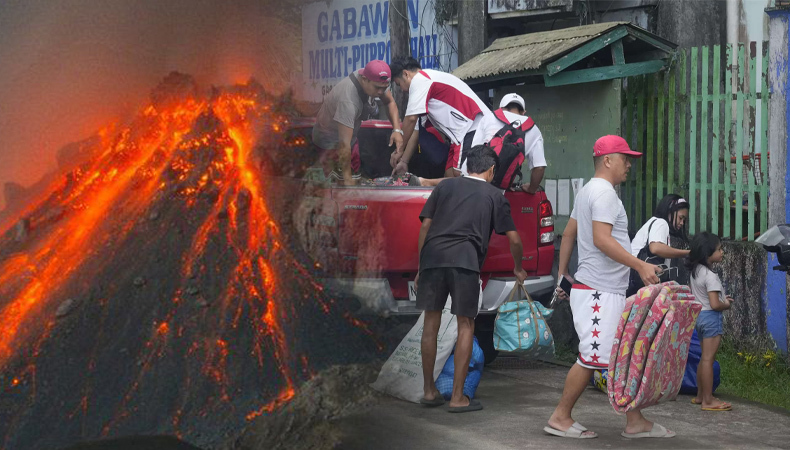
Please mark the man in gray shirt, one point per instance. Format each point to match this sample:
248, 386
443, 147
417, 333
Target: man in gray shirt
599, 225
341, 115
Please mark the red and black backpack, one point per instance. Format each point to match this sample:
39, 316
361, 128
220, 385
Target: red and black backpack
508, 143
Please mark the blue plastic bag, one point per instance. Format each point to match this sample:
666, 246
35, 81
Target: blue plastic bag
445, 380
689, 386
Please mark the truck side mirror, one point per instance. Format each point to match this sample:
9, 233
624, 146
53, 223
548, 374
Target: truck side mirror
777, 240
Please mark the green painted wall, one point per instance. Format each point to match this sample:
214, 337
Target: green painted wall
570, 118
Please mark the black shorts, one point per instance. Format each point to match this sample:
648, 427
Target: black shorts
462, 285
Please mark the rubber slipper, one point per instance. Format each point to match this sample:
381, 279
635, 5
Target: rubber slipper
722, 407
657, 431
575, 431
694, 401
436, 401
473, 405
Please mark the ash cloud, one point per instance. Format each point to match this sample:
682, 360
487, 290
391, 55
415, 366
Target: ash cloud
71, 66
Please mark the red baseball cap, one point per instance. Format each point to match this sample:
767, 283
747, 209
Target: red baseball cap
377, 71
609, 144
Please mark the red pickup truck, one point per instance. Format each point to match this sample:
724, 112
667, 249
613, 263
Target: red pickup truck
366, 236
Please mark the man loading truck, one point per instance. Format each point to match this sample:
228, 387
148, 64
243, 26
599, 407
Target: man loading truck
340, 118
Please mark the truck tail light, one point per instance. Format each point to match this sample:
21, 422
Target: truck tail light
546, 235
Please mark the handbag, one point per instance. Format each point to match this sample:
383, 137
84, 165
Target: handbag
521, 327
634, 280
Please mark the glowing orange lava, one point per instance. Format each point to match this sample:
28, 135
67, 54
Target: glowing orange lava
158, 150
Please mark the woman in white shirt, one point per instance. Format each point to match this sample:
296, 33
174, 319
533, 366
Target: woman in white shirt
668, 220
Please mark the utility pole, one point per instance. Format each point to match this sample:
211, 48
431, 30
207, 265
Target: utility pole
399, 42
472, 32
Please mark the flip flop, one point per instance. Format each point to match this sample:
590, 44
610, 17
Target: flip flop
575, 431
658, 431
436, 401
722, 407
694, 401
473, 405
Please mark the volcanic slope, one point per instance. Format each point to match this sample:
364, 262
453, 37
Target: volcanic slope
154, 292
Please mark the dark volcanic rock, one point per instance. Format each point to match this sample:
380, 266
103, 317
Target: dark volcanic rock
128, 360
306, 422
65, 308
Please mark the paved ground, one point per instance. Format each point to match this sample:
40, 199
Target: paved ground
519, 396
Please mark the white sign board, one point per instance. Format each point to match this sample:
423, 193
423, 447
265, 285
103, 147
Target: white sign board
341, 36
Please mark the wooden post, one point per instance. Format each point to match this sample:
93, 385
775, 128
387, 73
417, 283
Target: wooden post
399, 41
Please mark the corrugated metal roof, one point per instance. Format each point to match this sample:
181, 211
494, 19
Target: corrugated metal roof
529, 51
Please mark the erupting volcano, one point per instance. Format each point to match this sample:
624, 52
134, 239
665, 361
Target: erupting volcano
152, 289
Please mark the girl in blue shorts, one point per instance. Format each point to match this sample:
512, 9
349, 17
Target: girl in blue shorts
706, 287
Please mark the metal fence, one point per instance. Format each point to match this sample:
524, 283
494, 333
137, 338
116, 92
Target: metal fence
702, 125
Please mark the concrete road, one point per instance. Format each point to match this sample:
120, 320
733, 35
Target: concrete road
519, 396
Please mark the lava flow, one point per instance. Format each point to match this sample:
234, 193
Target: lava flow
153, 290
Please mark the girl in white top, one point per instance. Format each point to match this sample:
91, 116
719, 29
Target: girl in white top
706, 287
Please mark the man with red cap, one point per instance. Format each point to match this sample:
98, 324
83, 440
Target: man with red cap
342, 112
599, 226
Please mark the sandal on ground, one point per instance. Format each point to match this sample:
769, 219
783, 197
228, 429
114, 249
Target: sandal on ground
436, 401
575, 431
695, 402
658, 431
473, 405
722, 407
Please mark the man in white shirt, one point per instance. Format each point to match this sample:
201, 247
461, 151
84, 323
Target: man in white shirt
599, 226
451, 105
513, 108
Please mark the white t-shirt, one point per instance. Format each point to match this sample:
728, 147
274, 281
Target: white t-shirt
451, 105
659, 232
533, 139
702, 281
598, 201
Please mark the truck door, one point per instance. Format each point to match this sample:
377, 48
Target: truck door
379, 227
525, 210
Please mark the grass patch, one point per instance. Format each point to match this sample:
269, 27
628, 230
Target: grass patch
564, 353
761, 376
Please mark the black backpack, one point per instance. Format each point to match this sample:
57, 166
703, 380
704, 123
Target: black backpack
635, 281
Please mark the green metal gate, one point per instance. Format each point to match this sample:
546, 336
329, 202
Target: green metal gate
702, 125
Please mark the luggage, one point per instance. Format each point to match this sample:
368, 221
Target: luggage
445, 380
650, 351
401, 375
689, 385
521, 327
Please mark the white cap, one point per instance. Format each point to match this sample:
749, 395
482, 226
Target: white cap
512, 98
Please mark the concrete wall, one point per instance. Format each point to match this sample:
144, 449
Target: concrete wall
777, 297
693, 23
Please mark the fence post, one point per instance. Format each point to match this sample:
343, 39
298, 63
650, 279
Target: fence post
703, 143
752, 137
726, 206
716, 144
738, 203
671, 130
682, 172
764, 176
693, 144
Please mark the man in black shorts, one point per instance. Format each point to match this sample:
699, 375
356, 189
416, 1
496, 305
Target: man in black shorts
457, 222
